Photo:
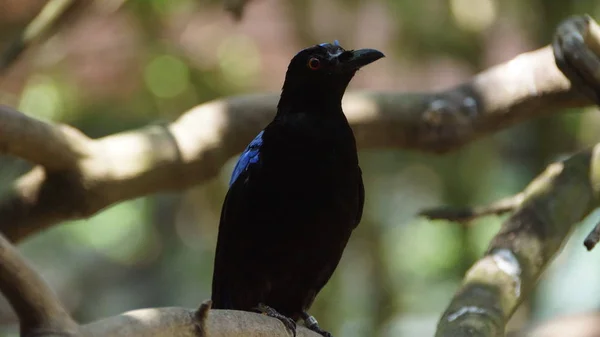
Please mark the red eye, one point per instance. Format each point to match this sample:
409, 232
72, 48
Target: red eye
314, 63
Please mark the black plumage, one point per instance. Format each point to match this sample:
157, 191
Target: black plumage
295, 195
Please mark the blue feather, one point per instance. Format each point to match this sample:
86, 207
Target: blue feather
335, 43
251, 155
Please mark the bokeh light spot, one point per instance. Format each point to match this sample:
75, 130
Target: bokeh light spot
41, 98
474, 15
167, 76
239, 60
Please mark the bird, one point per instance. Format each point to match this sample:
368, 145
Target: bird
295, 194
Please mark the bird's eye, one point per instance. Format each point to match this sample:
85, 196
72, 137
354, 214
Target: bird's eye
314, 63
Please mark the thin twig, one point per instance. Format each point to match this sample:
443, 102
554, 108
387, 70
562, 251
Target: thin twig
499, 207
592, 238
46, 20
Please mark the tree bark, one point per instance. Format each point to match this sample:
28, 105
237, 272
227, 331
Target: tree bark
76, 177
545, 212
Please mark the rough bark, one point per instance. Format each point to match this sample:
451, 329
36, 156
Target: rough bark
551, 206
76, 177
545, 212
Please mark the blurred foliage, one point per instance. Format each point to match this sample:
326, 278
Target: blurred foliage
107, 71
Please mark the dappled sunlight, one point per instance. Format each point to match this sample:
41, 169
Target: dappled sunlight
360, 108
167, 76
143, 315
145, 81
137, 153
210, 119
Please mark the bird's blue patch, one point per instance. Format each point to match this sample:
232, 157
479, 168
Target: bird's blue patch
335, 43
249, 156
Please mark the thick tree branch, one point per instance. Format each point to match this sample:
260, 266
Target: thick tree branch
180, 322
194, 148
576, 48
38, 308
41, 313
77, 176
55, 147
552, 205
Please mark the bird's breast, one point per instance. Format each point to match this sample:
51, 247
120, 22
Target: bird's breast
310, 175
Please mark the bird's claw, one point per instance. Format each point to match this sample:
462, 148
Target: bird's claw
289, 323
312, 324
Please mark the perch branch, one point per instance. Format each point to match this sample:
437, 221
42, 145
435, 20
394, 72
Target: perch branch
36, 305
41, 313
193, 149
180, 322
81, 176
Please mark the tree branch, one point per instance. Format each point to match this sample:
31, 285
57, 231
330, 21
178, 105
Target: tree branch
36, 305
193, 149
76, 177
501, 206
180, 322
549, 209
41, 313
48, 18
493, 288
55, 147
576, 48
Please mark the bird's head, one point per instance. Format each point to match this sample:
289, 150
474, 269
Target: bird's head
321, 73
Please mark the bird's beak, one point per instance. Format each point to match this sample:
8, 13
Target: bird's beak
358, 59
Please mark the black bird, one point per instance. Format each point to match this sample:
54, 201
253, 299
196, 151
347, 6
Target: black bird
295, 195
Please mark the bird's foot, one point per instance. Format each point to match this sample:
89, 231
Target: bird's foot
312, 324
289, 323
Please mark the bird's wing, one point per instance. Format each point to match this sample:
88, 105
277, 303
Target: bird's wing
361, 198
248, 157
237, 194
234, 232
